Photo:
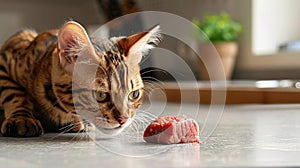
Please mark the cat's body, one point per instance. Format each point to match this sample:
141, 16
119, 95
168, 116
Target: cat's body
36, 80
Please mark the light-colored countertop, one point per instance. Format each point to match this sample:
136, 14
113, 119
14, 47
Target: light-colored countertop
247, 135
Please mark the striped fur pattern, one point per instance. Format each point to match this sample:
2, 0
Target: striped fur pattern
37, 86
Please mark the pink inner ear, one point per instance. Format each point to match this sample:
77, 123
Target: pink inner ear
128, 42
67, 40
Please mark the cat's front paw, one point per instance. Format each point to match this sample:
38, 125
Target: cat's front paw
21, 127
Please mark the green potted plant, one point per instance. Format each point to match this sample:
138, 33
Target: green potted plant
223, 32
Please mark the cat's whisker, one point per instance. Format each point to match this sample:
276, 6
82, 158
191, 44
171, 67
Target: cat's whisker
147, 92
143, 122
154, 70
146, 114
54, 137
71, 126
64, 130
154, 84
75, 137
150, 85
66, 127
78, 136
79, 133
143, 119
140, 118
134, 125
147, 119
149, 89
153, 79
140, 125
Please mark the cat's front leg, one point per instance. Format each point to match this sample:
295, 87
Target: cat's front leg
18, 111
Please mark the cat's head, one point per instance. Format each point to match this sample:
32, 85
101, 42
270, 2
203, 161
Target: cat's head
117, 86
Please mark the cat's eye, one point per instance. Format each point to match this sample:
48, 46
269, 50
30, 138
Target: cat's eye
134, 95
101, 96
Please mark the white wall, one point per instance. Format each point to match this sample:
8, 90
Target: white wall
274, 22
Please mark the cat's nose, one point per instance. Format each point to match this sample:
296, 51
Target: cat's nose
122, 120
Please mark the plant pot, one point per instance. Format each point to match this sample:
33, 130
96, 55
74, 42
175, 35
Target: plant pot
227, 52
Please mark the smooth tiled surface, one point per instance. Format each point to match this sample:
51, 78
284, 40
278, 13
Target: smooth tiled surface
252, 135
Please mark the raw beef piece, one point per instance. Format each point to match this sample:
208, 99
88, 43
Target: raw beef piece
172, 130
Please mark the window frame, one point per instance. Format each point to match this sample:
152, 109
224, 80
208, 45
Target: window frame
281, 65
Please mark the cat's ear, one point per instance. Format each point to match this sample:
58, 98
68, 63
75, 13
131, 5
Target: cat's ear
137, 45
72, 41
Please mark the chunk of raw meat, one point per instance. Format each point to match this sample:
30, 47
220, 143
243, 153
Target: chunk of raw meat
172, 130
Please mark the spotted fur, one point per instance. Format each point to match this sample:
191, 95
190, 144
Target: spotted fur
38, 92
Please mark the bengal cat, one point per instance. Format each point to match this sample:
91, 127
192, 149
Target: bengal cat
36, 80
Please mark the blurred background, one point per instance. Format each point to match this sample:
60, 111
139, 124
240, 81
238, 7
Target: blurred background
258, 39
268, 46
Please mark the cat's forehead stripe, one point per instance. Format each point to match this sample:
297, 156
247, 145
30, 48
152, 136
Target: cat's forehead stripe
121, 76
117, 70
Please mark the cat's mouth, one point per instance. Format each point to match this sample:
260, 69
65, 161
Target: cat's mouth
111, 129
